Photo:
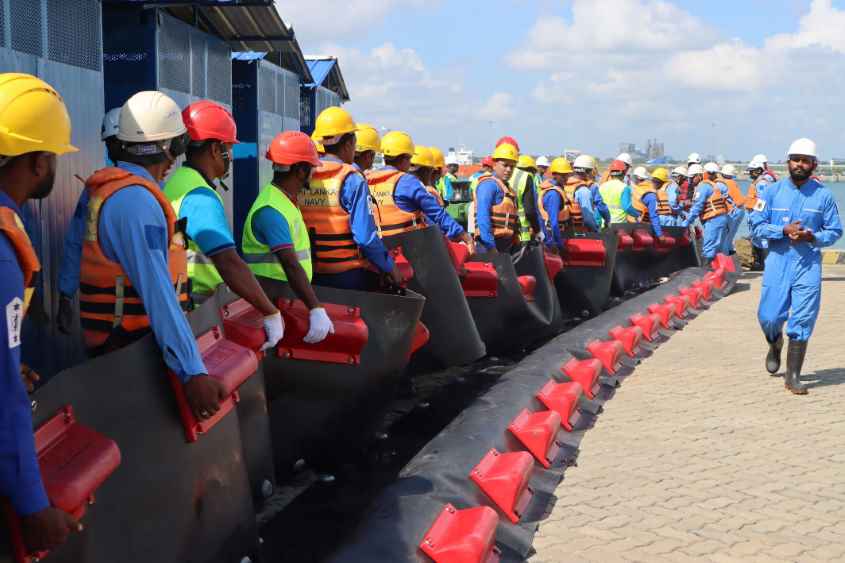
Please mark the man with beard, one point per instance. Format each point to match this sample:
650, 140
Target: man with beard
133, 276
275, 240
212, 257
797, 216
34, 131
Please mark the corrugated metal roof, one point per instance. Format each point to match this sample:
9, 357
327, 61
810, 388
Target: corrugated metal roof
326, 73
247, 25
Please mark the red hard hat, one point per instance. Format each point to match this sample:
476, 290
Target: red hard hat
617, 166
290, 147
209, 121
487, 161
508, 140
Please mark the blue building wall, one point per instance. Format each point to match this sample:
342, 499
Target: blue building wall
60, 42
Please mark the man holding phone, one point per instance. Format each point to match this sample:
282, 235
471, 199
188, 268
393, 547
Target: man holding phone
798, 216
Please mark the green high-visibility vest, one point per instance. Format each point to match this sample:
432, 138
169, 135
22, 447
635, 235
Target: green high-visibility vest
611, 192
203, 275
258, 255
519, 183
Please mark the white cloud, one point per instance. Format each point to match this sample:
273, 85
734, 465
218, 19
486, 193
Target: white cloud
621, 70
330, 20
498, 107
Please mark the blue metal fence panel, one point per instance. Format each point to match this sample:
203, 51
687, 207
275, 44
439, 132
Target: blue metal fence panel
75, 72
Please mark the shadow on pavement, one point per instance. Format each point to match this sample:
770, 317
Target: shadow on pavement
824, 378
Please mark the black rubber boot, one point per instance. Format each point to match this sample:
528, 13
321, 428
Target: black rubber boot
794, 360
773, 357
757, 254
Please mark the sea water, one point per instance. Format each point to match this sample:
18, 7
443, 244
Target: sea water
838, 189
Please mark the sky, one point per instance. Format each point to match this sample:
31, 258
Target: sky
712, 76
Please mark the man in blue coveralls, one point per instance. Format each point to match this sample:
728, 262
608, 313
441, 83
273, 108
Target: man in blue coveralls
711, 205
579, 187
34, 129
133, 254
494, 201
69, 266
409, 194
760, 179
337, 208
797, 216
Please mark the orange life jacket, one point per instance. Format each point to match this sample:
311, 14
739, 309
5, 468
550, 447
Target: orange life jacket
436, 195
12, 226
564, 213
333, 247
751, 197
108, 302
390, 219
716, 204
639, 192
735, 192
503, 216
576, 215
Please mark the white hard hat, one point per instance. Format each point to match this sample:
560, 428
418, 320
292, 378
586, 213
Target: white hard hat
761, 157
584, 162
729, 170
641, 173
111, 124
755, 164
150, 116
680, 171
804, 147
543, 161
451, 159
694, 170
711, 167
626, 158
694, 158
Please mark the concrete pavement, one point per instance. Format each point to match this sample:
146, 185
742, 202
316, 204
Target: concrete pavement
702, 456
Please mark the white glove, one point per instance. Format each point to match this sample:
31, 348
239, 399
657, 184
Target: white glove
541, 236
274, 328
319, 326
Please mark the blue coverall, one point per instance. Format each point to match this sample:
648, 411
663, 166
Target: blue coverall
735, 218
792, 278
584, 198
672, 196
650, 201
487, 195
764, 181
716, 228
133, 233
356, 200
552, 203
599, 205
410, 195
72, 253
20, 478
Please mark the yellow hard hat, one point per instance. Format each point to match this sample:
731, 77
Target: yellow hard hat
560, 165
320, 148
33, 117
660, 174
437, 154
506, 151
397, 143
422, 157
366, 138
332, 123
526, 161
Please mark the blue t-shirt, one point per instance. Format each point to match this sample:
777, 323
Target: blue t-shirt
271, 228
207, 224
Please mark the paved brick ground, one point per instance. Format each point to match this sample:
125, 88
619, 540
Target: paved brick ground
701, 455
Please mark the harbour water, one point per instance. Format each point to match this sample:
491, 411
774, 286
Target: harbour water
838, 189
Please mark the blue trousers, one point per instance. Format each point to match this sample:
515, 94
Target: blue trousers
715, 231
735, 218
791, 292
